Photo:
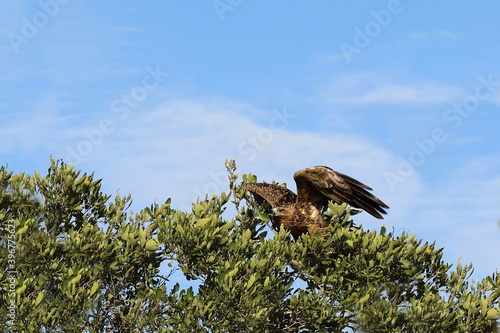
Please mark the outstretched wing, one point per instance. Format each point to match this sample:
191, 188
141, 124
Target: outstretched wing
320, 184
276, 195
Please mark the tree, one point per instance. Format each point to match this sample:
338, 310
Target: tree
78, 261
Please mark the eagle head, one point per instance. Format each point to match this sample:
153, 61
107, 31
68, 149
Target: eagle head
279, 211
282, 213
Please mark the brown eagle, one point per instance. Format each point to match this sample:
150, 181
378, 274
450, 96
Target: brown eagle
301, 212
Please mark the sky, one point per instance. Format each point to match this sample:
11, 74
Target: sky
154, 96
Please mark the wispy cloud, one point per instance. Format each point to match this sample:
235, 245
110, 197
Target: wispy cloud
371, 88
176, 146
446, 34
414, 35
42, 129
179, 148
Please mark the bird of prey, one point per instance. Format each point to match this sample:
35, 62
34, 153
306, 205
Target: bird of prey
301, 212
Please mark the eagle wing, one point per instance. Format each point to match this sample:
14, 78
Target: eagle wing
319, 184
276, 195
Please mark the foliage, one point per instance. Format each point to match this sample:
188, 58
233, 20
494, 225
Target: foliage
80, 263
84, 263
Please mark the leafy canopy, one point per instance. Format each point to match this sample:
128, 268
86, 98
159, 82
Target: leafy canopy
83, 262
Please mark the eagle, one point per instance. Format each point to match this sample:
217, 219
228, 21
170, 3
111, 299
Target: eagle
316, 186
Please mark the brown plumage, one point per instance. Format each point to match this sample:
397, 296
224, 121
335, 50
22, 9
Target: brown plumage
317, 185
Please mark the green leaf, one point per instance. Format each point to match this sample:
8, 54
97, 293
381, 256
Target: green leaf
246, 235
39, 298
257, 298
263, 217
23, 230
94, 288
142, 235
152, 245
232, 272
405, 262
201, 223
493, 314
364, 299
251, 281
21, 289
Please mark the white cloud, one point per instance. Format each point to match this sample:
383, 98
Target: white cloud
178, 150
371, 88
43, 128
414, 35
446, 34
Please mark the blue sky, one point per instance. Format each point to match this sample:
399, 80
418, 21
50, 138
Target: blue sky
154, 96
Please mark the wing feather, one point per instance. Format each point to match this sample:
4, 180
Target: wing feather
276, 195
320, 184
